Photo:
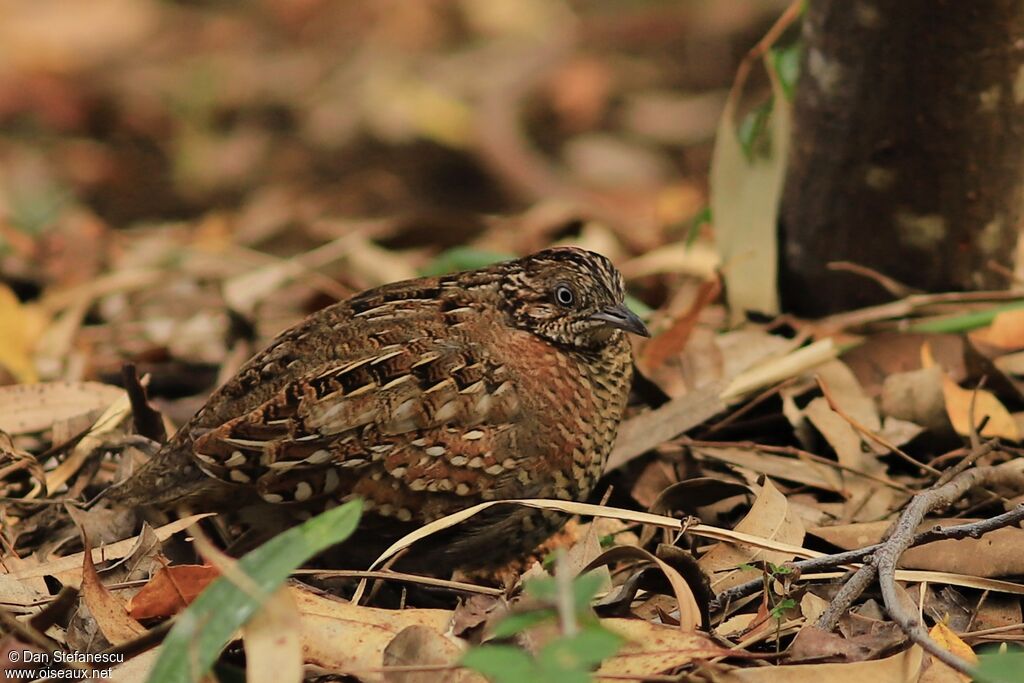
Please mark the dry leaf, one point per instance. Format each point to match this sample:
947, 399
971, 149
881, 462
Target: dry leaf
745, 196
20, 328
28, 408
423, 646
273, 648
108, 610
365, 631
901, 668
1006, 331
959, 402
170, 590
653, 648
940, 672
769, 517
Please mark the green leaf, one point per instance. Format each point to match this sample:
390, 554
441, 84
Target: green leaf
462, 258
702, 218
586, 649
515, 623
501, 663
780, 608
1006, 667
786, 63
202, 631
964, 322
584, 588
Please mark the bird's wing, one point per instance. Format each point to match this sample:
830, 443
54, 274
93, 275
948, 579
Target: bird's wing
429, 414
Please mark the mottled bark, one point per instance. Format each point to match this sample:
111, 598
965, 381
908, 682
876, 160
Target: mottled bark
908, 149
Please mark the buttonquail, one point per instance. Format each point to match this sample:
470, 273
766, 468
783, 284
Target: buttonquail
422, 397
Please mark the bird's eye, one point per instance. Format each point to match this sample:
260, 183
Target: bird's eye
564, 295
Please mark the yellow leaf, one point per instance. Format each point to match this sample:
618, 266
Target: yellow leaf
20, 328
948, 640
958, 406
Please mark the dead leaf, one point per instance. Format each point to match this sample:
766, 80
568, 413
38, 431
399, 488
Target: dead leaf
1006, 331
108, 610
769, 517
423, 646
273, 648
959, 402
745, 195
365, 631
69, 568
939, 672
993, 555
653, 648
901, 668
170, 590
28, 408
20, 328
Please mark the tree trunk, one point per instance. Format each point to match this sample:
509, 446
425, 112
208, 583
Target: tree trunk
908, 149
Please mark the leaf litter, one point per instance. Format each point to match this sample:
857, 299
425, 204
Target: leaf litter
247, 185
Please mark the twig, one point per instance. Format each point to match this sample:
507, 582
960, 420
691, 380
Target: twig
849, 557
883, 562
867, 433
891, 285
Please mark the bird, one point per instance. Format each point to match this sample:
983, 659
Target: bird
422, 398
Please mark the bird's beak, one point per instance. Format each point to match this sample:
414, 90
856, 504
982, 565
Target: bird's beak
620, 317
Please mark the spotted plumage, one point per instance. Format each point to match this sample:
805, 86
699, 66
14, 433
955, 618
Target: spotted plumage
422, 397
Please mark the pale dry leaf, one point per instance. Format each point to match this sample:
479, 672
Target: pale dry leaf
273, 648
418, 645
28, 408
69, 568
940, 672
809, 472
365, 631
135, 669
848, 394
745, 195
916, 395
866, 499
904, 667
653, 648
995, 554
769, 517
114, 415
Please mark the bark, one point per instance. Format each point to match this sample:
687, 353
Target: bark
908, 149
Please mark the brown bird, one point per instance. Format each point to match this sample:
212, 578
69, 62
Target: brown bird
423, 398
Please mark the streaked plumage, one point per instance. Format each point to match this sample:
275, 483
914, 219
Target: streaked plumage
422, 397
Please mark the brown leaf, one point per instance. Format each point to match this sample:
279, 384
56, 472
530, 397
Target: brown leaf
423, 646
170, 590
108, 611
770, 518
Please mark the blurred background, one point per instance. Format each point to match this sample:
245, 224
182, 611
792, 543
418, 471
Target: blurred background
181, 180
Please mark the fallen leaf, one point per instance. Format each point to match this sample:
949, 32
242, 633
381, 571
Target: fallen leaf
1006, 331
653, 648
423, 646
959, 403
170, 590
273, 647
900, 668
20, 328
108, 610
769, 517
